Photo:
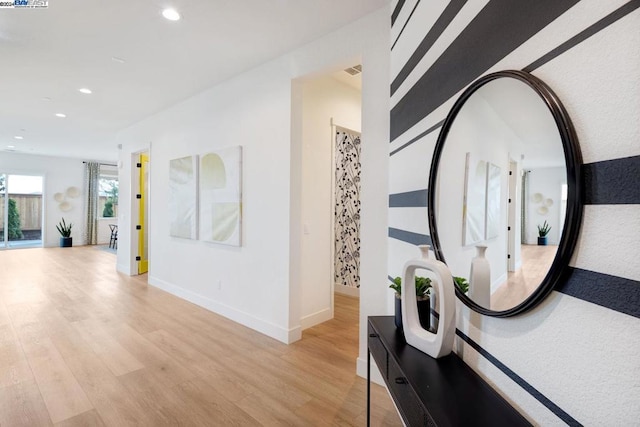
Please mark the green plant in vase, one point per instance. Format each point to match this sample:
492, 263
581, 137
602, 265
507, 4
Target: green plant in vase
422, 288
66, 241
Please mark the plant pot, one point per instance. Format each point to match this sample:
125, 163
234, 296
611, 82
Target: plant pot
66, 242
542, 241
424, 312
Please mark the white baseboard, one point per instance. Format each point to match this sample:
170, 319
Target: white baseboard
347, 290
124, 269
260, 325
316, 318
361, 370
499, 281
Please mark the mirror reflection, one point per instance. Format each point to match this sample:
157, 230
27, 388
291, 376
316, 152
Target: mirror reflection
501, 193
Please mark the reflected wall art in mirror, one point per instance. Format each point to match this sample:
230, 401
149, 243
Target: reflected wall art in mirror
505, 202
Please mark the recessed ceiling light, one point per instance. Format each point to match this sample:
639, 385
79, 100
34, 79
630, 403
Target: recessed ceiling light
171, 14
118, 59
18, 137
46, 98
85, 90
61, 115
11, 147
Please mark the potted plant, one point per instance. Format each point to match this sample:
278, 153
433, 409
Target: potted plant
543, 230
462, 284
423, 287
66, 241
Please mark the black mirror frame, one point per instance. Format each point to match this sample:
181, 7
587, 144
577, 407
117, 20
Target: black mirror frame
573, 162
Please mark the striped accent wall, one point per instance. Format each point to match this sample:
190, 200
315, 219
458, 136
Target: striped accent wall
574, 358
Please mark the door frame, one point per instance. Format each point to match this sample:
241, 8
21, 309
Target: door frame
143, 212
5, 212
135, 209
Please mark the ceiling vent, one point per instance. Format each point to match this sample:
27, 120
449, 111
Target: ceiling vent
355, 70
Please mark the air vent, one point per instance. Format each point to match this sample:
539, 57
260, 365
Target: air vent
356, 69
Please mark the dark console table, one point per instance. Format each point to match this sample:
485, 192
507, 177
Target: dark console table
433, 392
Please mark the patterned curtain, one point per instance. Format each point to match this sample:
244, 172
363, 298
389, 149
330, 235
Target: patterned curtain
91, 180
347, 208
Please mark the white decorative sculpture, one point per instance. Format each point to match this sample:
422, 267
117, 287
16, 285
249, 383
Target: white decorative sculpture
437, 344
480, 278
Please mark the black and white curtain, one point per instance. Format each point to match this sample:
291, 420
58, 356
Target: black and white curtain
347, 208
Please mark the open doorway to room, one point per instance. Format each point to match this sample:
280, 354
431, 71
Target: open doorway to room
21, 211
107, 213
330, 112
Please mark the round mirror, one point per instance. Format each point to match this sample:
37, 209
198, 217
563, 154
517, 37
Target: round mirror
504, 201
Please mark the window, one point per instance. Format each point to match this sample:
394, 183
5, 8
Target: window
108, 191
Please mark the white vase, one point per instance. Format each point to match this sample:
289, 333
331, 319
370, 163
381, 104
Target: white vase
440, 343
480, 278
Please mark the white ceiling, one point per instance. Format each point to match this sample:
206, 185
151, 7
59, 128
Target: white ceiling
46, 55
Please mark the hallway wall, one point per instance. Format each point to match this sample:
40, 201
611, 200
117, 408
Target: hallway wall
574, 358
259, 283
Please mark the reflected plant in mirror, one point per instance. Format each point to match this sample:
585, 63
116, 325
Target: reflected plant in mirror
462, 284
543, 230
506, 149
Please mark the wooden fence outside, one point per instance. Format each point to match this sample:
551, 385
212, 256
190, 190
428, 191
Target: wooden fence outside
30, 210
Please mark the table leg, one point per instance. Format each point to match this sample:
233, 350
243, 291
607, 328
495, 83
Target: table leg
368, 387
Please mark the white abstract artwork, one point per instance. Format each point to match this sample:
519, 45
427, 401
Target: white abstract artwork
475, 191
221, 196
183, 193
493, 201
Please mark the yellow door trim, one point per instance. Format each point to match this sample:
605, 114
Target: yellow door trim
143, 264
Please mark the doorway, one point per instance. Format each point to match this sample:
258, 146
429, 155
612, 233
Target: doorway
328, 123
21, 211
346, 202
142, 198
513, 221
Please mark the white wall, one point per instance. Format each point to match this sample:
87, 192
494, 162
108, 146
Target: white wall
375, 296
548, 182
581, 356
59, 174
248, 283
257, 284
323, 98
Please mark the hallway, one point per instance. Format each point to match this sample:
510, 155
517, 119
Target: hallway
83, 345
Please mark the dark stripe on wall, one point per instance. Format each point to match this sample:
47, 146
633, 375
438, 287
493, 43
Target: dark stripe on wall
405, 24
409, 237
612, 182
499, 28
411, 199
436, 30
612, 292
417, 138
585, 34
396, 11
521, 382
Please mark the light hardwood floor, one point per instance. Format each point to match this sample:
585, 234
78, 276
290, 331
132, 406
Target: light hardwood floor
81, 345
536, 261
